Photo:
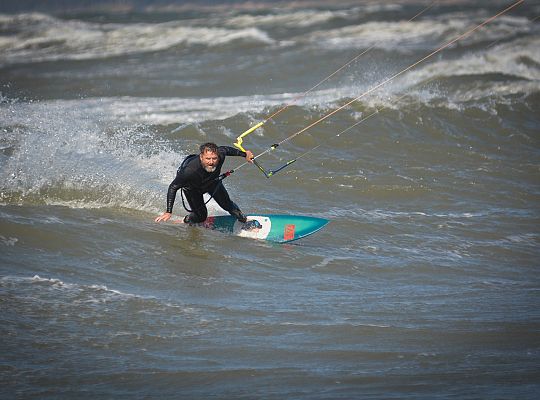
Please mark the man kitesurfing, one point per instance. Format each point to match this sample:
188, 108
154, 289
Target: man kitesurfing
200, 174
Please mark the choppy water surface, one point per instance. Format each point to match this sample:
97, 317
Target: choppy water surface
425, 283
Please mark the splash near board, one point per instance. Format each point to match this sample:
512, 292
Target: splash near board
271, 227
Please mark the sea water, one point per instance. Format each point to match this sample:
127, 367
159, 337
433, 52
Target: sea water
424, 284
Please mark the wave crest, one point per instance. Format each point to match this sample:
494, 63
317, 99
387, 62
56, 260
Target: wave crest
38, 37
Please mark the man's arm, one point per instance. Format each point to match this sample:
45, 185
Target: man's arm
179, 181
231, 151
171, 194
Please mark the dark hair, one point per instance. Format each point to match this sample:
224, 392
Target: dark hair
211, 147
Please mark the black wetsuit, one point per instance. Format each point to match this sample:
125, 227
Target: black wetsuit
196, 181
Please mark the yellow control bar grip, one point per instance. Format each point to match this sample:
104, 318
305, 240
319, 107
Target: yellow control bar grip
239, 139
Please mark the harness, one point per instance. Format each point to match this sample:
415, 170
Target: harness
183, 167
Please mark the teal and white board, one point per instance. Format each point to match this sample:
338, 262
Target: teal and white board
271, 227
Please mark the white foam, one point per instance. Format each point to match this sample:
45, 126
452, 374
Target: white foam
60, 146
59, 284
290, 19
42, 37
502, 59
37, 278
418, 34
8, 241
518, 60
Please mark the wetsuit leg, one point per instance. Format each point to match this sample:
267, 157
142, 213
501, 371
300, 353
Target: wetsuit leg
224, 201
199, 212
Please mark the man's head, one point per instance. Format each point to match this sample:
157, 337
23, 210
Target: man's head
209, 156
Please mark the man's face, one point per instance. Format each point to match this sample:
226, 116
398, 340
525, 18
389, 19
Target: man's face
209, 161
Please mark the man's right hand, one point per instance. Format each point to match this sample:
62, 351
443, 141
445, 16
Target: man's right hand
163, 217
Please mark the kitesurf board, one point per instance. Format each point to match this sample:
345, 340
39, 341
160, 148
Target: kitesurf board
271, 227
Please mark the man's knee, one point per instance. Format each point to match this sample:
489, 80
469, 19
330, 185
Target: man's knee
196, 217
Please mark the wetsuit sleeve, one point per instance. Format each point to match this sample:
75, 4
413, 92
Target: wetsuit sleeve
231, 151
178, 182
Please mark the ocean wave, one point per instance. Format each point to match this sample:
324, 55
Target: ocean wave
486, 78
494, 74
302, 18
519, 58
418, 35
53, 283
40, 37
57, 153
26, 38
288, 15
182, 110
58, 294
